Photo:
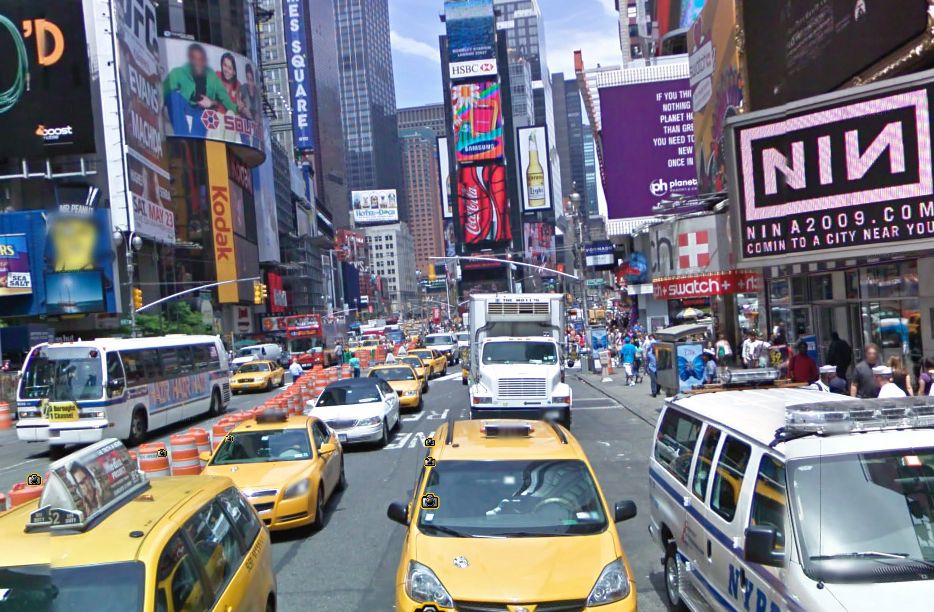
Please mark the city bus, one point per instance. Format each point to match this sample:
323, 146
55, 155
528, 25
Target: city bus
83, 392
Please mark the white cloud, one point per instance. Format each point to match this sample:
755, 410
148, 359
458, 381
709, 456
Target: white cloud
609, 7
602, 48
410, 46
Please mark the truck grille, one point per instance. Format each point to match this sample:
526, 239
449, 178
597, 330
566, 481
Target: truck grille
522, 387
511, 308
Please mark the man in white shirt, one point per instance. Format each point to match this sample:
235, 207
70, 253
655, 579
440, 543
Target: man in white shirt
884, 379
295, 370
752, 349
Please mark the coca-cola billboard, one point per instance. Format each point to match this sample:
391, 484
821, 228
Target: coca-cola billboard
483, 205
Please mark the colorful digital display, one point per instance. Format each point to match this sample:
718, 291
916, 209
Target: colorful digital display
478, 121
483, 205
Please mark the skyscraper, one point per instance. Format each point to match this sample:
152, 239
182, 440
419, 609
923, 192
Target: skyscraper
428, 116
419, 147
368, 96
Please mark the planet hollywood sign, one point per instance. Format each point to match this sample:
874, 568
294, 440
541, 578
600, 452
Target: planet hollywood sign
706, 285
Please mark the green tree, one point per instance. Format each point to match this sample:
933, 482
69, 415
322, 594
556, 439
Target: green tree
178, 318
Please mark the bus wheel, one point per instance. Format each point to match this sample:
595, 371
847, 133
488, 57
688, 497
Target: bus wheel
217, 405
138, 426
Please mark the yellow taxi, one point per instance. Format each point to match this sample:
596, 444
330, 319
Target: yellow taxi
437, 363
508, 515
257, 376
288, 467
404, 381
123, 542
420, 367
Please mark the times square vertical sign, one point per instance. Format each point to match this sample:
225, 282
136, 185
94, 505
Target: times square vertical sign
298, 54
840, 175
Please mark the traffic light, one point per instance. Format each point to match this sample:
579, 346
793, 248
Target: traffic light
137, 298
263, 292
257, 293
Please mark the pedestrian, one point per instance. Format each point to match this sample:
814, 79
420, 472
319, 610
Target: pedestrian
900, 376
355, 365
628, 357
710, 367
724, 350
778, 336
829, 381
339, 352
752, 349
863, 384
295, 370
801, 367
651, 366
926, 378
887, 388
637, 362
839, 354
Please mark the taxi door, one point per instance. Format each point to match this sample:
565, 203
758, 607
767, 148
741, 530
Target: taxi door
330, 462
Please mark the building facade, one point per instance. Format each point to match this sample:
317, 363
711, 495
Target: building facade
392, 258
423, 192
429, 116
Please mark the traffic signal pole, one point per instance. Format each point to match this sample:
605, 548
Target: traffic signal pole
187, 291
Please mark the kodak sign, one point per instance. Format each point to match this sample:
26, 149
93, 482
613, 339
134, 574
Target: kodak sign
225, 257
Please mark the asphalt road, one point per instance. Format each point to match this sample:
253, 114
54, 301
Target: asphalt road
351, 563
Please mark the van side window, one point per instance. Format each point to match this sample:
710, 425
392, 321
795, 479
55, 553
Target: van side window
768, 499
178, 579
677, 438
217, 546
705, 461
728, 479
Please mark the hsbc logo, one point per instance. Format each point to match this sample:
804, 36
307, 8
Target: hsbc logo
466, 70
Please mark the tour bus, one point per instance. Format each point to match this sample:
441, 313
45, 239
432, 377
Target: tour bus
86, 391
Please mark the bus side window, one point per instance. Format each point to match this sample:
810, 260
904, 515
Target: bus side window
201, 357
170, 362
150, 359
215, 360
186, 364
115, 374
135, 370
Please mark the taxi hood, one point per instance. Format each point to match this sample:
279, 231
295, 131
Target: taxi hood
518, 570
273, 475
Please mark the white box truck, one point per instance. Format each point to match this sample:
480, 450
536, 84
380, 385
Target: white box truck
516, 363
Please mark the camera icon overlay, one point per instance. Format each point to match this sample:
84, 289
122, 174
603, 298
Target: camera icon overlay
162, 452
430, 501
429, 442
34, 480
430, 462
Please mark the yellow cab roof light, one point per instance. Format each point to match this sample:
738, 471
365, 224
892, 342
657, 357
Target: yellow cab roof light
507, 429
273, 416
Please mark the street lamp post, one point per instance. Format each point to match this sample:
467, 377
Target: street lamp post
133, 244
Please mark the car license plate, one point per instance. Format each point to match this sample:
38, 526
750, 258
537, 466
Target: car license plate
62, 411
341, 437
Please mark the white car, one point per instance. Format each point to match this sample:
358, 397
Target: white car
445, 343
358, 410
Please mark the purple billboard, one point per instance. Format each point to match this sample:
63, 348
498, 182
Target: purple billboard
648, 145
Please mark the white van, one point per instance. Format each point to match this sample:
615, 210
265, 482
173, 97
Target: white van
272, 352
772, 499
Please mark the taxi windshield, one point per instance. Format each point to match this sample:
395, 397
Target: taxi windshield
512, 499
393, 374
253, 367
63, 374
36, 587
520, 352
415, 362
346, 396
263, 446
894, 491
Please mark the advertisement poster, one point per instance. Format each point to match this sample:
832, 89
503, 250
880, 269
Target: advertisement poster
373, 207
690, 366
483, 205
230, 109
450, 239
540, 246
15, 276
46, 108
852, 172
444, 178
478, 121
298, 52
716, 89
471, 30
600, 254
802, 48
648, 130
225, 257
534, 168
141, 91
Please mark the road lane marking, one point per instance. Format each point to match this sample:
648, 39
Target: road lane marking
16, 465
448, 377
398, 441
409, 418
434, 415
592, 400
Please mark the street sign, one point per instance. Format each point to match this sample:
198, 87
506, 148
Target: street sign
595, 282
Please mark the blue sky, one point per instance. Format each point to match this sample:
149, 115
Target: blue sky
591, 25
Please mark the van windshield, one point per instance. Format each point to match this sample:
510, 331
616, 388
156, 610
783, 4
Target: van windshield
438, 340
536, 353
62, 374
892, 535
37, 587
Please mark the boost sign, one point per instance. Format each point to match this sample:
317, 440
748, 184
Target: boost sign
839, 175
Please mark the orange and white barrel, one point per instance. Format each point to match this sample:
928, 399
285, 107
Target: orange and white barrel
346, 371
333, 374
6, 417
219, 431
22, 493
184, 455
3, 505
154, 459
202, 441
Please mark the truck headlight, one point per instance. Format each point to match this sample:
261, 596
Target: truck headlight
612, 585
296, 490
422, 586
90, 413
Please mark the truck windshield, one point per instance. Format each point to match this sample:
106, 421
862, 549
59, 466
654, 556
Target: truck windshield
438, 340
894, 528
37, 587
535, 353
63, 374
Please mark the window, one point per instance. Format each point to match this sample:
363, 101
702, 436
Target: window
134, 367
201, 357
170, 362
241, 513
178, 579
728, 481
319, 434
216, 546
114, 367
186, 364
674, 446
702, 469
768, 499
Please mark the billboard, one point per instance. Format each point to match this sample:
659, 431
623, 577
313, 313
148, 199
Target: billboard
298, 50
716, 89
373, 207
647, 145
46, 108
851, 173
471, 30
478, 121
483, 205
222, 224
211, 94
600, 254
802, 48
540, 245
534, 168
444, 178
15, 275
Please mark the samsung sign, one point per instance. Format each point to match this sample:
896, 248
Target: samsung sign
298, 53
851, 172
476, 68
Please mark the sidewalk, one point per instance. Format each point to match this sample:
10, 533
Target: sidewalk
637, 399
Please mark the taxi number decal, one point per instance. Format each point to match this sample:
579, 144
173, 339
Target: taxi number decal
251, 560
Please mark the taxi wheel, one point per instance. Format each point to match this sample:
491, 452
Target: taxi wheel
318, 523
268, 384
673, 579
421, 405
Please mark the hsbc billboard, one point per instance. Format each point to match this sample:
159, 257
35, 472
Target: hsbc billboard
475, 68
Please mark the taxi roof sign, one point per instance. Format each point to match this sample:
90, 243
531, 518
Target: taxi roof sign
86, 485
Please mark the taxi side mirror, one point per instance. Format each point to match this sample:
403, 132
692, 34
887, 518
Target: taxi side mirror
624, 511
760, 547
327, 448
205, 456
398, 512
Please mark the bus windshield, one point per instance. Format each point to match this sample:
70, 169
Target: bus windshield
63, 374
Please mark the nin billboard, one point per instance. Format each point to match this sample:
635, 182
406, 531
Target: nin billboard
374, 207
847, 175
478, 121
648, 145
46, 108
800, 48
471, 30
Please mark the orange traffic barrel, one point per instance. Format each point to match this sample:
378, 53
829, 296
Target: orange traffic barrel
6, 417
333, 374
135, 457
202, 441
22, 493
3, 506
154, 459
346, 371
219, 431
184, 455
